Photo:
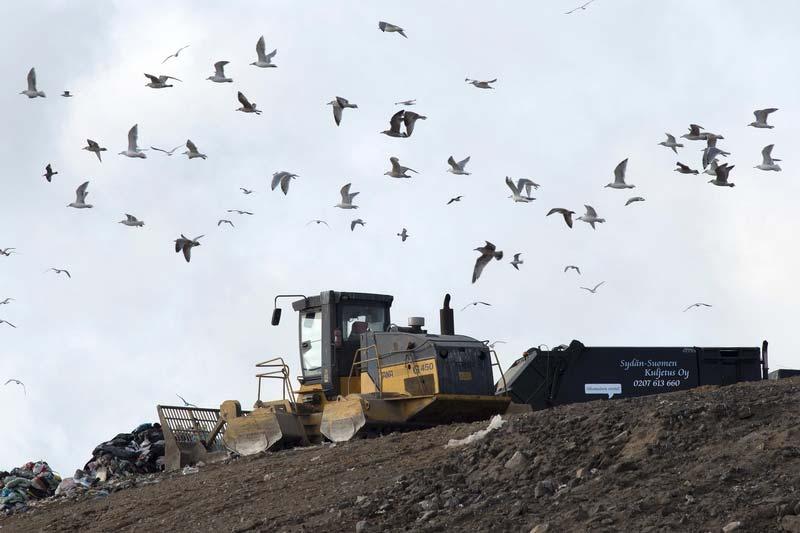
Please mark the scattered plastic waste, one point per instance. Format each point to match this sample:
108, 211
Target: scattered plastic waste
495, 423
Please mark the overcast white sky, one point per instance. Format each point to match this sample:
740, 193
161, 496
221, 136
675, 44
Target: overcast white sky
575, 95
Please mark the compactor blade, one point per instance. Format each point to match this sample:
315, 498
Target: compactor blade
263, 429
342, 419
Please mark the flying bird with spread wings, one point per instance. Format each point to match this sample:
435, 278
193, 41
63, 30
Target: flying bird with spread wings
175, 55
264, 60
594, 289
488, 252
475, 304
185, 245
697, 305
581, 7
17, 382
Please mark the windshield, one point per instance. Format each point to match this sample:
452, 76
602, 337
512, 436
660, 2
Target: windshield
311, 342
360, 318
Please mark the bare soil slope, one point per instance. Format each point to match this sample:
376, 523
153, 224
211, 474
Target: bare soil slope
688, 461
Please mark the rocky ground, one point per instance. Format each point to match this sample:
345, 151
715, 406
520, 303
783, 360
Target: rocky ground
711, 459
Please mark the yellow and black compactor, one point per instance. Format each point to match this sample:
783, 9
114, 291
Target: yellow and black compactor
360, 373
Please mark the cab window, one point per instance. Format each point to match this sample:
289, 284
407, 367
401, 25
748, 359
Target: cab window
360, 318
311, 342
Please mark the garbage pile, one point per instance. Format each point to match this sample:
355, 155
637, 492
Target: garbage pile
138, 452
32, 481
116, 461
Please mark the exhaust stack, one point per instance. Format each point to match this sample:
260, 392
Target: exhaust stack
446, 322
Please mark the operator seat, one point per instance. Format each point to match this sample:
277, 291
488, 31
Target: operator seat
357, 329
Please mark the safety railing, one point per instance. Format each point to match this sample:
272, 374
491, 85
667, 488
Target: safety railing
278, 369
359, 362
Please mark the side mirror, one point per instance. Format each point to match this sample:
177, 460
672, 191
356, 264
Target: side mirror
276, 316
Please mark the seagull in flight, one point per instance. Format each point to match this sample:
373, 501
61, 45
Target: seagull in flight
31, 91
488, 252
768, 163
60, 271
684, 169
517, 261
455, 199
408, 118
175, 55
6, 301
515, 192
158, 82
318, 222
458, 167
581, 7
398, 170
670, 143
67, 94
339, 104
264, 60
619, 176
92, 146
219, 73
633, 200
185, 244
475, 304
192, 150
593, 290
247, 107
566, 213
18, 382
710, 153
168, 152
284, 179
721, 178
527, 185
572, 267
7, 322
185, 403
132, 221
133, 148
761, 117
385, 26
356, 222
239, 211
403, 235
347, 198
7, 251
407, 102
225, 221
695, 134
49, 173
246, 191
591, 217
80, 197
698, 305
481, 84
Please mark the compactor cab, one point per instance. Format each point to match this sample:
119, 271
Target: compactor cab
358, 371
330, 328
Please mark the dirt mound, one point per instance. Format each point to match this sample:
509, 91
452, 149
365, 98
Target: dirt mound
700, 460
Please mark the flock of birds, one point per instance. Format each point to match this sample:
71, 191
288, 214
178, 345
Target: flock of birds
401, 125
